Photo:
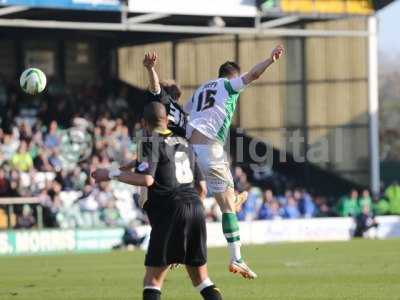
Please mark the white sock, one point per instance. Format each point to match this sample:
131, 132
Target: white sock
150, 287
234, 250
205, 284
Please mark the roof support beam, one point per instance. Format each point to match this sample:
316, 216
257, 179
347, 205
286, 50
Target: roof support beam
280, 22
12, 10
177, 28
146, 18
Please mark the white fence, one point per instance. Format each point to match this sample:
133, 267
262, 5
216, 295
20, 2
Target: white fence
299, 230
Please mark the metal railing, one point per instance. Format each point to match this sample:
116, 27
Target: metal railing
10, 202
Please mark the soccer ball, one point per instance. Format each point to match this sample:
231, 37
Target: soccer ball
32, 81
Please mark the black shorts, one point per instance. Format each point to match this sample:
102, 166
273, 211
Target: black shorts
178, 236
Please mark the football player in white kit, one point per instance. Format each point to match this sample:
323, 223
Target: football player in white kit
210, 112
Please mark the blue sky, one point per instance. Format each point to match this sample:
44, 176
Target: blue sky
389, 29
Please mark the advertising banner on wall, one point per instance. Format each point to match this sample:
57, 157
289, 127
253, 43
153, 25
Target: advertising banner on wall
51, 241
112, 5
28, 242
234, 8
248, 8
362, 7
302, 230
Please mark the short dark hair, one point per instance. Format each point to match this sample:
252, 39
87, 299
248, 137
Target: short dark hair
172, 88
228, 68
153, 113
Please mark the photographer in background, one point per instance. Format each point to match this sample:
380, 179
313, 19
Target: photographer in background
365, 223
131, 238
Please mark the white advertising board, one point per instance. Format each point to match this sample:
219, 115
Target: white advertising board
233, 8
298, 230
301, 230
258, 232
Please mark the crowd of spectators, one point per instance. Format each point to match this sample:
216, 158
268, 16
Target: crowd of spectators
354, 203
265, 204
50, 144
299, 203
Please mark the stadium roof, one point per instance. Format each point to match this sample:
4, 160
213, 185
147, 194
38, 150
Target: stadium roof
270, 17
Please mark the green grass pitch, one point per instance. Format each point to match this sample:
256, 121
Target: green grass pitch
346, 270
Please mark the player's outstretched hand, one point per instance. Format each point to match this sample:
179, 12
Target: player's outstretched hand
150, 60
100, 175
277, 52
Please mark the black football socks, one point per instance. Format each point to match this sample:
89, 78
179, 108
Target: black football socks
151, 294
211, 293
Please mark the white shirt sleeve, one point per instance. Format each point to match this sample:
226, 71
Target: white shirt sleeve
237, 83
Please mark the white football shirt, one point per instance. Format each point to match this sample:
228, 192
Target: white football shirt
212, 106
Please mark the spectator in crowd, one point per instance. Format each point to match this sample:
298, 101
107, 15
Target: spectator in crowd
9, 146
291, 210
41, 161
275, 211
240, 180
322, 207
79, 177
89, 207
306, 204
282, 199
26, 220
380, 206
264, 212
22, 160
110, 215
250, 207
4, 184
54, 160
52, 139
25, 132
365, 200
14, 190
104, 195
64, 178
348, 205
392, 193
51, 203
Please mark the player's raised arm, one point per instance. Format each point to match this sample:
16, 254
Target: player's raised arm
149, 61
260, 68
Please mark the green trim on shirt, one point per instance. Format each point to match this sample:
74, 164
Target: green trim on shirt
230, 106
